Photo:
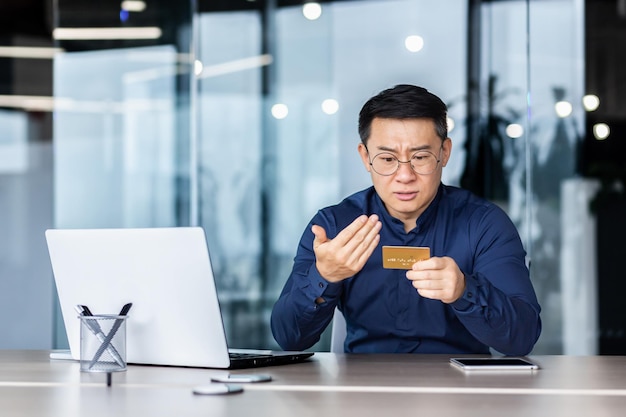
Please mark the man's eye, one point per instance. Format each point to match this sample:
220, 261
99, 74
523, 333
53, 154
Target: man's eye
421, 157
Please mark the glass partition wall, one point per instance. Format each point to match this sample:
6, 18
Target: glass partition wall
524, 150
122, 122
241, 117
279, 96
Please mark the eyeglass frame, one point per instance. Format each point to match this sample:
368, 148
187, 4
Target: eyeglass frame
403, 162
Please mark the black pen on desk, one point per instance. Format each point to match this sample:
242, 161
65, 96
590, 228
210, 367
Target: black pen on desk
107, 341
95, 328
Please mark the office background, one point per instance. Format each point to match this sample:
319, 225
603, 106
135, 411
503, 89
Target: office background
240, 116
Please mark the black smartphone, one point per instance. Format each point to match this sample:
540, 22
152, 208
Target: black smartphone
497, 364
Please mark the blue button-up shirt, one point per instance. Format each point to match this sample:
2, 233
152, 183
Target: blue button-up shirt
384, 312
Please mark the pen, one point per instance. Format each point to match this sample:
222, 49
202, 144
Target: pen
95, 328
107, 341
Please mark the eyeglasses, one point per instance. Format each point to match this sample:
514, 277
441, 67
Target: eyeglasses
422, 162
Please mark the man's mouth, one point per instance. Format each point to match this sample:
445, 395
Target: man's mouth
405, 195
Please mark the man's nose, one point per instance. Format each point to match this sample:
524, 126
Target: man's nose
405, 170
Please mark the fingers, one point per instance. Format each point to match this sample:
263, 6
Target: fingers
357, 237
358, 240
429, 264
363, 241
347, 253
357, 231
320, 235
437, 278
369, 244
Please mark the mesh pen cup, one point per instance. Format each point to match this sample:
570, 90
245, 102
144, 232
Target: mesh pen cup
103, 343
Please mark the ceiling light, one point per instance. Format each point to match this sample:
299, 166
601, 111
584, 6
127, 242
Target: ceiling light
28, 103
563, 108
414, 43
28, 52
312, 10
237, 65
601, 131
591, 102
330, 106
514, 130
451, 124
280, 111
106, 33
133, 6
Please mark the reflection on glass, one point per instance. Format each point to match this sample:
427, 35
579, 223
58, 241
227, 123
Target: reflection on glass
525, 174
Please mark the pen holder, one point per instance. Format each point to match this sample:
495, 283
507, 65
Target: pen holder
103, 343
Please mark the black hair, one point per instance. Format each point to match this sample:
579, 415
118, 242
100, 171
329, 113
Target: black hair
404, 101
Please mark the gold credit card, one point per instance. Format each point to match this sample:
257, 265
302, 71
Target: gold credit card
403, 257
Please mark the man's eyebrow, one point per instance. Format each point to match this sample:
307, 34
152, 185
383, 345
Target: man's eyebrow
413, 149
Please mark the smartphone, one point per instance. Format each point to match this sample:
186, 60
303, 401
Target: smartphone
496, 364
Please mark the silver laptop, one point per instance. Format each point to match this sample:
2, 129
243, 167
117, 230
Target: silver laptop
166, 274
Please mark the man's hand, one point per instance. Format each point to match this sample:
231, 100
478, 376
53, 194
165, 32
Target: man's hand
438, 279
346, 254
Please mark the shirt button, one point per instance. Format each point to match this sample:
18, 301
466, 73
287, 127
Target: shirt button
321, 285
470, 295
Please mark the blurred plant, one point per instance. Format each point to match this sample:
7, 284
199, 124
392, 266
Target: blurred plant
488, 147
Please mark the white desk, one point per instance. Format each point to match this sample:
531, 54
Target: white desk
328, 385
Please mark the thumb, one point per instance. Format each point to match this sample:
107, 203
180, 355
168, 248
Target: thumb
320, 235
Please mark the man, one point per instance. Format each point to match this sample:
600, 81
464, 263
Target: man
474, 292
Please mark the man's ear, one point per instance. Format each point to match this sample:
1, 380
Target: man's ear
365, 158
446, 152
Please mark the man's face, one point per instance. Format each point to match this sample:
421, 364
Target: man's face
405, 193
